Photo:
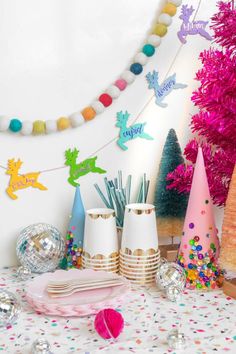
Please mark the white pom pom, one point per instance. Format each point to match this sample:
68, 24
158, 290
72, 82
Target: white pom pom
154, 40
165, 19
128, 76
113, 91
76, 119
175, 2
51, 126
141, 58
98, 107
4, 123
27, 128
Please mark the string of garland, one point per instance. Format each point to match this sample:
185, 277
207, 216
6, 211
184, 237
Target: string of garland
105, 99
108, 143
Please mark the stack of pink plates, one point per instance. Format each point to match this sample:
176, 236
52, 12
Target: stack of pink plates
139, 269
79, 304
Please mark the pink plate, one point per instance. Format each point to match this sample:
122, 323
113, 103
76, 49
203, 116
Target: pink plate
79, 304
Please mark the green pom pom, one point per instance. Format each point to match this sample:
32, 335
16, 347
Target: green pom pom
148, 50
63, 263
15, 125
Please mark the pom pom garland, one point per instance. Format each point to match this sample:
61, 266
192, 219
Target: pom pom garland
154, 40
15, 125
175, 2
128, 76
105, 99
148, 50
121, 84
4, 123
109, 323
98, 107
76, 119
165, 19
169, 9
113, 91
63, 123
88, 113
51, 126
39, 127
27, 128
136, 68
160, 30
141, 58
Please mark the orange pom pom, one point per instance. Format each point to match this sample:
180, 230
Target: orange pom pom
169, 9
63, 123
88, 113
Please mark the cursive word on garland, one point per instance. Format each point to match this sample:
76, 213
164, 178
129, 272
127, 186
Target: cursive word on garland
161, 91
191, 27
129, 133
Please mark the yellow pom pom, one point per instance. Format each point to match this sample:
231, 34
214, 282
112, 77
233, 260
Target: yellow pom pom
39, 127
169, 9
159, 29
88, 113
63, 123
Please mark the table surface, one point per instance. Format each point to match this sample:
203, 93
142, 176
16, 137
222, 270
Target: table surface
208, 320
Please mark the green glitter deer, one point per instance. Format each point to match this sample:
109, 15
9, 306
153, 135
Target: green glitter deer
81, 169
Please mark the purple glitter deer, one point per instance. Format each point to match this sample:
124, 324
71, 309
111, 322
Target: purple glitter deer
191, 28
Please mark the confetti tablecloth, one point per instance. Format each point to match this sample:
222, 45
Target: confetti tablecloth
208, 320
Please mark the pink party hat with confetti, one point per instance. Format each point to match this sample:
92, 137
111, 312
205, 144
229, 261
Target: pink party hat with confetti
199, 247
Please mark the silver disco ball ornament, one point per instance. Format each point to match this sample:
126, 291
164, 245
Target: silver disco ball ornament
171, 274
40, 346
40, 248
176, 340
173, 293
23, 273
9, 308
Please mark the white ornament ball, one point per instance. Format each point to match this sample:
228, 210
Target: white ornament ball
23, 273
51, 126
76, 119
165, 19
141, 58
128, 76
9, 308
41, 346
4, 123
154, 40
27, 128
113, 91
98, 107
176, 2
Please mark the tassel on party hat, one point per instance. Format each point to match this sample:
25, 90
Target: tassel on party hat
75, 234
199, 247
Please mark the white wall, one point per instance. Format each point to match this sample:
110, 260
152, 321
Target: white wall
56, 57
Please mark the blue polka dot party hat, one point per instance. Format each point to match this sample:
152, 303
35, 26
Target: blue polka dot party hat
199, 247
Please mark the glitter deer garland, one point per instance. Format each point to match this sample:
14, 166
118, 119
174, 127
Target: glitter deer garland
191, 27
164, 89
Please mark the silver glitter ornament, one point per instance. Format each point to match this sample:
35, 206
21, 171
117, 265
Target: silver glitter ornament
171, 274
40, 346
173, 293
9, 308
176, 340
23, 273
40, 248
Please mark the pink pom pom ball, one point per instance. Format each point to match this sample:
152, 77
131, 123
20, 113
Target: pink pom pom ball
109, 323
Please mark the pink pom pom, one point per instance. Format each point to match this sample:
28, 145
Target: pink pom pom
109, 323
121, 84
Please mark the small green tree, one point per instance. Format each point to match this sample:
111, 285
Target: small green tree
170, 205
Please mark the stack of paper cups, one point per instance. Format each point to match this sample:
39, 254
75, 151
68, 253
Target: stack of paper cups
139, 254
101, 250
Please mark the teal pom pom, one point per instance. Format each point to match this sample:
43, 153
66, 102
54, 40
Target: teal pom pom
15, 125
148, 50
136, 68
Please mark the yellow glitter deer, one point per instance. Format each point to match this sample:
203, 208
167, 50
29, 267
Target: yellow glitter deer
18, 181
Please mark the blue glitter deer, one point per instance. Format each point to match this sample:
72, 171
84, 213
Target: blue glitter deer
161, 91
131, 132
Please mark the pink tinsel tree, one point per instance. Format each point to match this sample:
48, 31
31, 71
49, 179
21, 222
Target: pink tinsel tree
215, 123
